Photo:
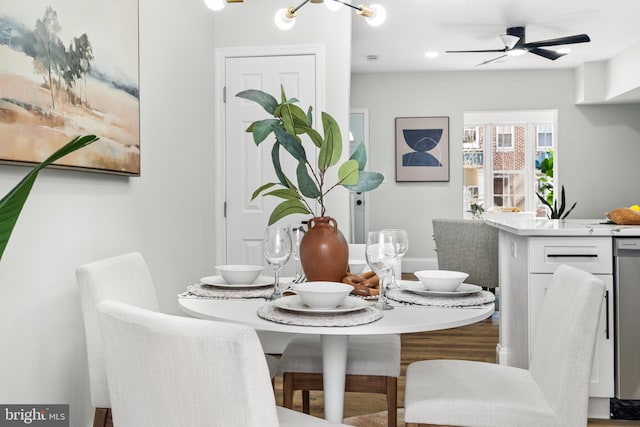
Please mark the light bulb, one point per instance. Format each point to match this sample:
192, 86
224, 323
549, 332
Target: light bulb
214, 4
333, 5
378, 16
516, 52
284, 19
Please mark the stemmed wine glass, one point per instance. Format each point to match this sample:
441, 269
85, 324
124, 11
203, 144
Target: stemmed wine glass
297, 232
381, 253
277, 250
402, 246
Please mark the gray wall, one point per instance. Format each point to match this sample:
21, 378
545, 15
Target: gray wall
598, 144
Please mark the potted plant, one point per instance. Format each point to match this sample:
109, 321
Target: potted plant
323, 249
12, 203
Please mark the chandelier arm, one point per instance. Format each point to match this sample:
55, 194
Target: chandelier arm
297, 8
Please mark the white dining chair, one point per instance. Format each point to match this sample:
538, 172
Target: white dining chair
168, 371
373, 366
124, 278
553, 392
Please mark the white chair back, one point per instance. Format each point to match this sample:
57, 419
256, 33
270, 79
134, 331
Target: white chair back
124, 278
565, 339
173, 371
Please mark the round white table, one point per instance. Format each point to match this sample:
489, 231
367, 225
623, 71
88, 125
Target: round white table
403, 319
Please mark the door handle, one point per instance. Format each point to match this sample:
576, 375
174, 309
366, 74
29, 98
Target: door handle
572, 255
606, 301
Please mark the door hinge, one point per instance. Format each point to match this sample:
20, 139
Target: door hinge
225, 209
224, 94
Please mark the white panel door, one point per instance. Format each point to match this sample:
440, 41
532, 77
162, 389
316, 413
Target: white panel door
248, 166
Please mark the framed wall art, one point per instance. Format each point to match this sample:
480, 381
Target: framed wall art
70, 68
422, 149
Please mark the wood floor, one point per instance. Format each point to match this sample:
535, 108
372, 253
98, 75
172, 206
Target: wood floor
473, 342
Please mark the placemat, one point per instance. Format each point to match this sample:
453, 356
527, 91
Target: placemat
201, 290
478, 298
366, 315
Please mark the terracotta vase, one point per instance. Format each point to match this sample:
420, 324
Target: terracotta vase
324, 252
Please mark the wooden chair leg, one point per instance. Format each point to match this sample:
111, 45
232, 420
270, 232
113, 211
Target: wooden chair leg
287, 390
392, 401
305, 401
102, 418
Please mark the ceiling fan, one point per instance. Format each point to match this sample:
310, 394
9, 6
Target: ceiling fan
515, 44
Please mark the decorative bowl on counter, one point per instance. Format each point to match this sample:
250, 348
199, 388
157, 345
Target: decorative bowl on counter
441, 280
238, 274
322, 295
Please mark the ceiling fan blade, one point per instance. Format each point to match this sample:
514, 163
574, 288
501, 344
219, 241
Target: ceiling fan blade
491, 60
546, 53
475, 51
579, 38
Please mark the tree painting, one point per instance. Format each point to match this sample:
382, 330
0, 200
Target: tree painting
64, 72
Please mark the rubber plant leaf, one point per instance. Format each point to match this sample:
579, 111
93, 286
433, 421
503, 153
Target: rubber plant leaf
12, 203
263, 99
368, 181
331, 148
291, 144
277, 168
261, 129
348, 173
307, 185
288, 207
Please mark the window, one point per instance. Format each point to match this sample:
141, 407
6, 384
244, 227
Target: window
504, 138
544, 137
470, 138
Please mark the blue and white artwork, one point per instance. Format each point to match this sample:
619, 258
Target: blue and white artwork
422, 149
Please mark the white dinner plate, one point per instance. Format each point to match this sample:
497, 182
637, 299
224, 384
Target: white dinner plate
418, 288
293, 303
218, 281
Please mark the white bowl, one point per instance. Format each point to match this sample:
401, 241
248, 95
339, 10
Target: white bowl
239, 274
322, 295
357, 266
441, 280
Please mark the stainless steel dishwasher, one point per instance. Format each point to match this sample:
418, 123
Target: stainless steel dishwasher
626, 253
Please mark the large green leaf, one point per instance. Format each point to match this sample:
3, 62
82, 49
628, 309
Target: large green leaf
331, 148
315, 136
260, 189
291, 144
288, 207
284, 193
307, 185
265, 100
277, 167
261, 129
368, 181
12, 203
360, 156
348, 173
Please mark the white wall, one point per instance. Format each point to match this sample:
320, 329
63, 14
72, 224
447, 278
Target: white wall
597, 156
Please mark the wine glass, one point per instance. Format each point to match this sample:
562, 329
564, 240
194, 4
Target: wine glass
276, 246
402, 246
297, 232
381, 253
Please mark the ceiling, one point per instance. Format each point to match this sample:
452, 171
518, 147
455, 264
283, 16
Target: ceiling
414, 27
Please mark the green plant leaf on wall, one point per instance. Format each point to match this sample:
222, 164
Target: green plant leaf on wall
348, 173
12, 203
266, 101
288, 207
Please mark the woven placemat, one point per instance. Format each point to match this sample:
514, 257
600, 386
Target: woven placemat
354, 318
202, 290
477, 298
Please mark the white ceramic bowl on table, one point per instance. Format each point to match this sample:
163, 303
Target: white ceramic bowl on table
322, 295
441, 280
238, 274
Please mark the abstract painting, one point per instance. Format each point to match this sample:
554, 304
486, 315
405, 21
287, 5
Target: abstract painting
422, 149
70, 68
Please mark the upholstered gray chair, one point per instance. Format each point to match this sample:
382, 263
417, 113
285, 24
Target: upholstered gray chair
553, 392
373, 366
169, 371
470, 246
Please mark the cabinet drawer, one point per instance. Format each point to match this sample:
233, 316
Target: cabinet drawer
592, 254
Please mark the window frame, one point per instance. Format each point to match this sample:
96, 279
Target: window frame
500, 130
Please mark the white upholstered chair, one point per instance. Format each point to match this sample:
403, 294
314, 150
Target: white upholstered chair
373, 366
124, 278
470, 246
553, 392
168, 371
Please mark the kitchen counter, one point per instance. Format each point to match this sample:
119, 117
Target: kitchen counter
567, 227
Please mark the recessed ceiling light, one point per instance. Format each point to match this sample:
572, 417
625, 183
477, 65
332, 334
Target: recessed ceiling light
564, 50
431, 54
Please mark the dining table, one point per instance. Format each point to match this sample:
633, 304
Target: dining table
260, 314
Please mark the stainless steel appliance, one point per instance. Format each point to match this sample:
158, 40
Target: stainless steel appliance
626, 253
